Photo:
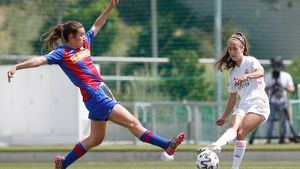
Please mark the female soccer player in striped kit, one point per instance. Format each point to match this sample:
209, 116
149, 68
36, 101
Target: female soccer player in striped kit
75, 60
245, 81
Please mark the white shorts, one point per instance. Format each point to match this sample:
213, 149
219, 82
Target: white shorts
262, 108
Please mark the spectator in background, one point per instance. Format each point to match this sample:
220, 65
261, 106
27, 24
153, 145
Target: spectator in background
278, 83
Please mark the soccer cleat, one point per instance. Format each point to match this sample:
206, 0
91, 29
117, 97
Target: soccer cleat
214, 148
174, 143
58, 162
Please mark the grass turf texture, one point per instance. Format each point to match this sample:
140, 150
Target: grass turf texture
256, 147
151, 164
155, 165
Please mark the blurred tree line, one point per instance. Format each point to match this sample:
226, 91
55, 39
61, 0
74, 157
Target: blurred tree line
293, 69
128, 33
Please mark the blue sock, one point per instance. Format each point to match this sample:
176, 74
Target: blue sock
155, 139
77, 152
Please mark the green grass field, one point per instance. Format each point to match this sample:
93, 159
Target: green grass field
146, 147
152, 164
155, 165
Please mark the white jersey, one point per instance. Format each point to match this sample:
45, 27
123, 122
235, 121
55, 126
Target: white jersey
284, 80
253, 97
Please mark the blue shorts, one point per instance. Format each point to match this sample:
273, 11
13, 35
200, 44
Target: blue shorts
99, 105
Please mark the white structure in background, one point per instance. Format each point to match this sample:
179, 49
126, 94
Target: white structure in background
41, 107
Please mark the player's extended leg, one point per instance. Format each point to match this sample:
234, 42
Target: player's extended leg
229, 135
250, 122
98, 129
121, 116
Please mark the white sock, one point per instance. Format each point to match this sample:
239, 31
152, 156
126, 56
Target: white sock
229, 135
238, 154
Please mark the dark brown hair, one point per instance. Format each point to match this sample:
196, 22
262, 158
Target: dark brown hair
59, 34
225, 62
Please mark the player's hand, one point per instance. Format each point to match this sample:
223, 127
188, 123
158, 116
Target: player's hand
114, 2
10, 73
220, 121
239, 80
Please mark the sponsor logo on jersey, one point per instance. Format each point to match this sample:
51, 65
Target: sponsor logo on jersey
80, 55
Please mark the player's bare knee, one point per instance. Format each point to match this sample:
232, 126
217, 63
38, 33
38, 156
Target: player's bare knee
134, 124
241, 134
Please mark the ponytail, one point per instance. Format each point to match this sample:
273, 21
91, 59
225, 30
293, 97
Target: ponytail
53, 37
225, 62
59, 33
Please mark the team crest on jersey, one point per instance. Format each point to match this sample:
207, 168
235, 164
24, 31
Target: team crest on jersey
80, 55
246, 71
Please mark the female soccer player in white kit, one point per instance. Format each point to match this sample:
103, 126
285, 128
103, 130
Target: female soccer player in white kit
246, 81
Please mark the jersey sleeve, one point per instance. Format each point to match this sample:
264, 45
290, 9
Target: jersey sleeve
54, 57
255, 64
290, 81
89, 36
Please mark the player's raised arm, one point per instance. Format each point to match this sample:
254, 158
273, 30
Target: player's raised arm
30, 63
99, 22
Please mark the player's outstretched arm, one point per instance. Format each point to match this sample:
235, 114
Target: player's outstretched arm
99, 22
30, 63
230, 105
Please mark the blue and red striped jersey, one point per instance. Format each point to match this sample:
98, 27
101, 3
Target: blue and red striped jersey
78, 65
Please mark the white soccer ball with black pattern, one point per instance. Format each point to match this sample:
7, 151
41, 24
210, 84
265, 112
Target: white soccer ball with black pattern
207, 160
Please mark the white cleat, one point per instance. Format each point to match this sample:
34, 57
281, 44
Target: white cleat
214, 148
166, 157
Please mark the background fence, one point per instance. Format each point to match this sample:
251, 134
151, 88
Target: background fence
181, 30
173, 34
41, 106
271, 25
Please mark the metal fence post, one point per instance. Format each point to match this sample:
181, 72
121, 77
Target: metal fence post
197, 123
154, 119
136, 115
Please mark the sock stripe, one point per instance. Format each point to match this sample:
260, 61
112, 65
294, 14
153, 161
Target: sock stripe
147, 138
154, 139
78, 151
82, 148
240, 144
238, 154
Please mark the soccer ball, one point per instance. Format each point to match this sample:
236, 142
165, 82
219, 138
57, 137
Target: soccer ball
207, 160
